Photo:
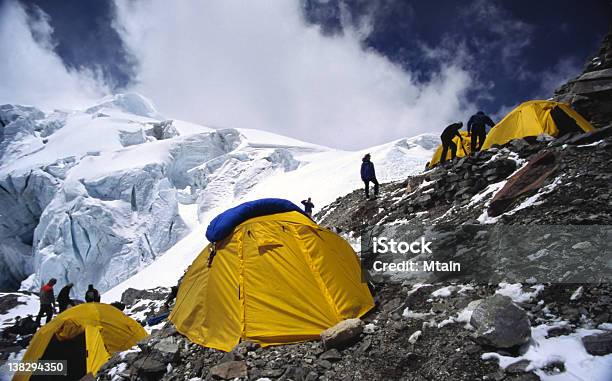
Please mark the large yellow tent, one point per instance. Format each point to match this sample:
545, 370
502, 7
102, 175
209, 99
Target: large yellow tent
534, 118
462, 149
277, 278
85, 336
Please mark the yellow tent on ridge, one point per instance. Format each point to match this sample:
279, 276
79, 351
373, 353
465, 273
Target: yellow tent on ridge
276, 279
536, 117
462, 149
86, 336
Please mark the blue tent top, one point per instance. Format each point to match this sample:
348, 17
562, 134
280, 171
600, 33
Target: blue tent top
223, 225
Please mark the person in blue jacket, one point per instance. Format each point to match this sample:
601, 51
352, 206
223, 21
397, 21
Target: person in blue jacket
368, 174
477, 128
308, 206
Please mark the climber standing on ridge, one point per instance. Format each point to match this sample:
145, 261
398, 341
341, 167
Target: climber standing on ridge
477, 129
308, 206
47, 302
368, 174
447, 140
63, 298
92, 295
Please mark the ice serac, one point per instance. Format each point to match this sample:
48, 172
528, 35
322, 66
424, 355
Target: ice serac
94, 196
24, 194
85, 197
23, 197
233, 175
130, 103
103, 230
18, 128
198, 149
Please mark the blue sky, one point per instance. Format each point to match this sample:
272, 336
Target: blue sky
517, 49
340, 73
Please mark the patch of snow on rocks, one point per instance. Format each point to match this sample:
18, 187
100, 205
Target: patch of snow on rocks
515, 291
542, 352
29, 306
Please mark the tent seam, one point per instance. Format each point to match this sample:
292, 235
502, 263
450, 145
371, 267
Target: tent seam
317, 274
241, 290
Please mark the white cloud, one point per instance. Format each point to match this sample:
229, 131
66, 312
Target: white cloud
257, 64
30, 72
241, 64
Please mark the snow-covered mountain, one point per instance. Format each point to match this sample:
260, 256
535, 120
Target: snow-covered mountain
96, 195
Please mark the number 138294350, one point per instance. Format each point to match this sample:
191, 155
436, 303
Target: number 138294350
41, 367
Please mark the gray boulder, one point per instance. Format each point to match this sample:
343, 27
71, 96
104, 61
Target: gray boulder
331, 355
150, 366
229, 370
599, 344
342, 334
500, 323
166, 350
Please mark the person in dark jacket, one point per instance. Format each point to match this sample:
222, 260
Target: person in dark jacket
368, 174
63, 298
477, 128
47, 301
92, 295
171, 297
23, 326
447, 140
308, 206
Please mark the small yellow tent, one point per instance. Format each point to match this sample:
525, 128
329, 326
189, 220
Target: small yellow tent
85, 336
534, 118
462, 149
277, 278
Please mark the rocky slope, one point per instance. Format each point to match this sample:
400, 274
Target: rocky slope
453, 206
416, 332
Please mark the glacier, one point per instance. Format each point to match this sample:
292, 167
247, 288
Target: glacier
97, 195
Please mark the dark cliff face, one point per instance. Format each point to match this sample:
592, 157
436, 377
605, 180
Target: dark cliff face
591, 92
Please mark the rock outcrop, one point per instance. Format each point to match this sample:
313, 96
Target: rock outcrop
589, 93
500, 323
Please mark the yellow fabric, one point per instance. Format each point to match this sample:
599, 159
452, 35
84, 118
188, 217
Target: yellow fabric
531, 119
107, 330
68, 330
462, 149
97, 354
277, 279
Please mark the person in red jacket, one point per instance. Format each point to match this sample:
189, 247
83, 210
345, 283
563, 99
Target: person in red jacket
47, 301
